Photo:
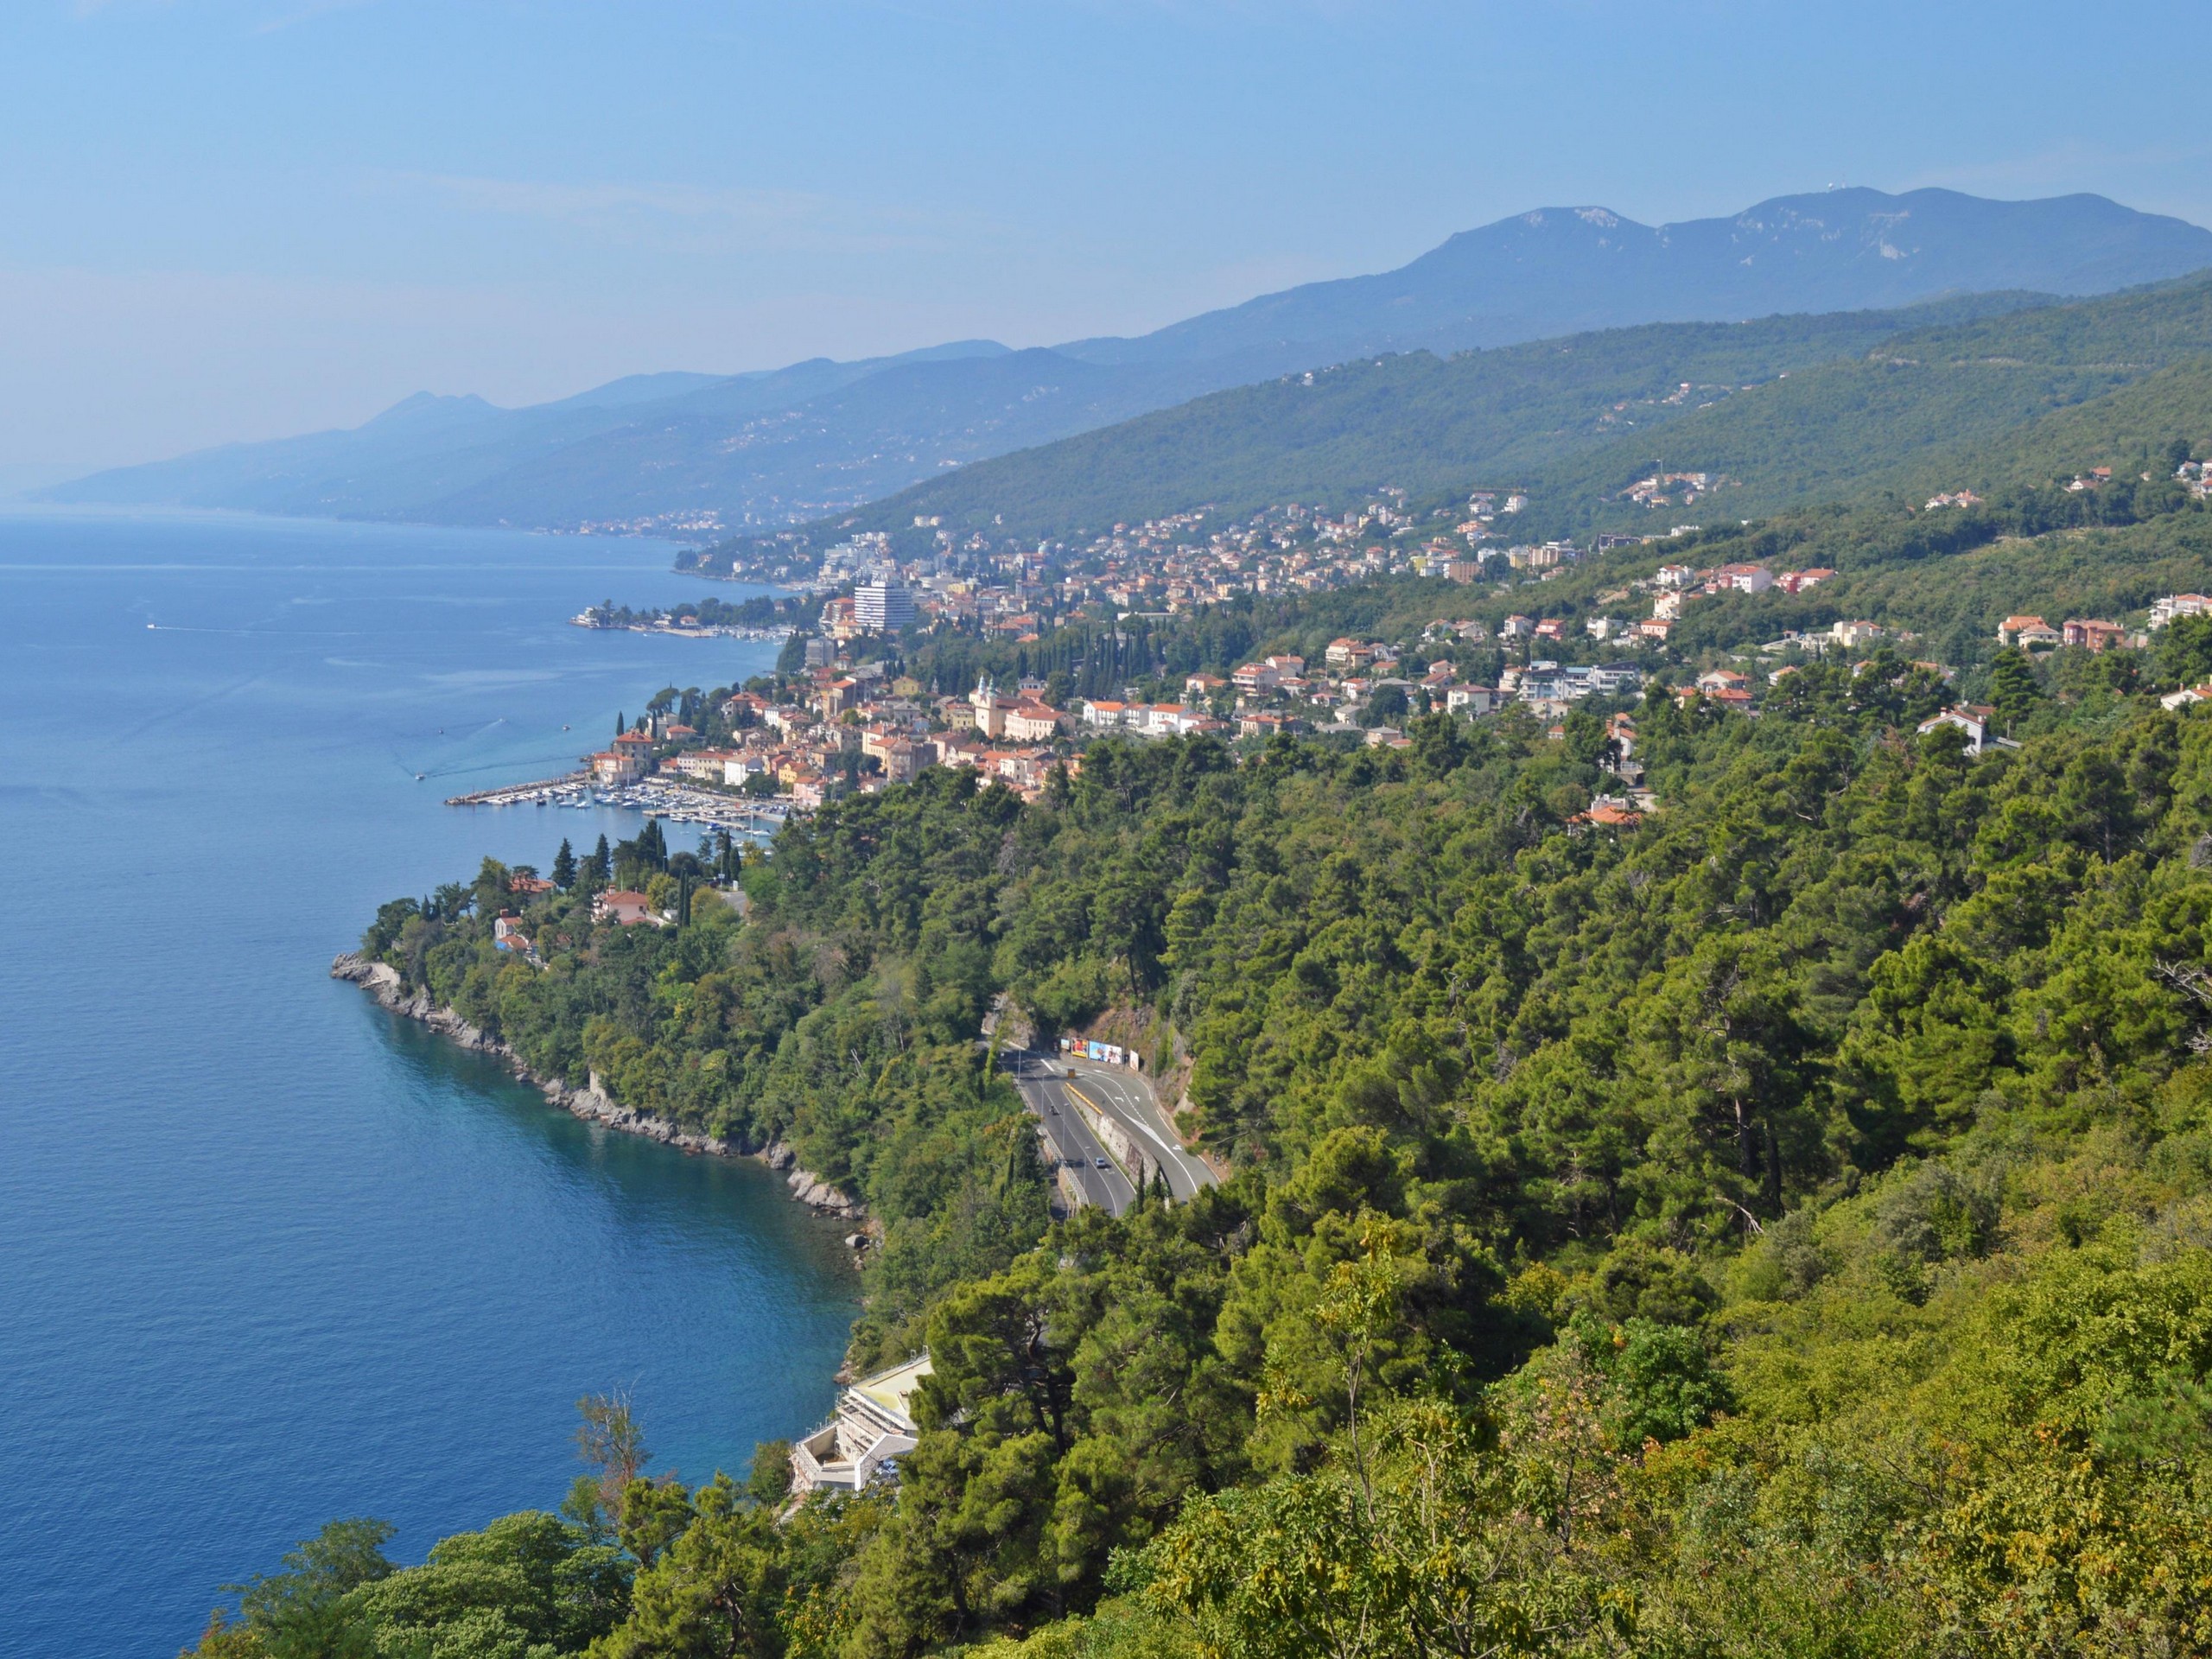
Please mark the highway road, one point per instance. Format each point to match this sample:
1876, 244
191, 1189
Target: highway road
1068, 1136
1125, 1096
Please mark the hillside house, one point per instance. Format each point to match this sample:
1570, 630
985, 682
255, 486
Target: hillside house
1744, 578
2175, 606
628, 909
1973, 722
1797, 581
2093, 635
1609, 813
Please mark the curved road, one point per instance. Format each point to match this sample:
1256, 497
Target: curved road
1097, 1176
1125, 1096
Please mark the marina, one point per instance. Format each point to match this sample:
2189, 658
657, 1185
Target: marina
665, 798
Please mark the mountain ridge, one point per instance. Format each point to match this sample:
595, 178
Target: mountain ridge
771, 447
1906, 270
1789, 411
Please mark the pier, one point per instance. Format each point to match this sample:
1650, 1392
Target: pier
516, 794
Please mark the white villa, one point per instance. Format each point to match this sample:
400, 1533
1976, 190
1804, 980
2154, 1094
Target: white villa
871, 1429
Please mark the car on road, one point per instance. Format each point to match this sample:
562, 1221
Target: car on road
1102, 1163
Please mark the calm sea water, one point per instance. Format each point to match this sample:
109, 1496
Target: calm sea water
267, 1255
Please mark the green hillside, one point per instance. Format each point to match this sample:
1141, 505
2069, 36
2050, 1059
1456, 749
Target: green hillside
2129, 430
2016, 398
1947, 579
1982, 391
1940, 580
1835, 431
1774, 1227
1419, 421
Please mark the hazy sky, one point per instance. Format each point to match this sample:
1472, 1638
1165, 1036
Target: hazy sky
236, 218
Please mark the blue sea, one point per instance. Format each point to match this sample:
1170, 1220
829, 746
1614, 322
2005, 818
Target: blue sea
269, 1257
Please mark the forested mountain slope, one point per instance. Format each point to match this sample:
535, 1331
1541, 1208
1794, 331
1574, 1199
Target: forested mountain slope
1787, 410
2016, 398
1776, 1226
1423, 424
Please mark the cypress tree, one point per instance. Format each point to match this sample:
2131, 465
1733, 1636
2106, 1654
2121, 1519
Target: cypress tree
565, 867
622, 724
602, 861
2012, 686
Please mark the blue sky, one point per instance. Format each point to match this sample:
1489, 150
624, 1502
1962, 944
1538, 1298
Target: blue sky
240, 219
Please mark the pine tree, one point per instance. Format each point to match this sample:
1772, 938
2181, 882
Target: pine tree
602, 863
564, 866
2012, 687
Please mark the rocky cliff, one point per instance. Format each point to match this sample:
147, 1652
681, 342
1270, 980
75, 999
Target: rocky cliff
592, 1102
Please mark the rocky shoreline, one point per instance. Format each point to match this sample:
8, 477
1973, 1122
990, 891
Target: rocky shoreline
591, 1102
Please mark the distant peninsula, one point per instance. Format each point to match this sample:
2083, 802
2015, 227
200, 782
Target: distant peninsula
760, 618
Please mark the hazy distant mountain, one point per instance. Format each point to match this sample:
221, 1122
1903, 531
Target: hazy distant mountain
839, 449
818, 437
1562, 271
425, 450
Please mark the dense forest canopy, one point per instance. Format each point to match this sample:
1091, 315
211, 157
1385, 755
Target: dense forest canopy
1776, 1226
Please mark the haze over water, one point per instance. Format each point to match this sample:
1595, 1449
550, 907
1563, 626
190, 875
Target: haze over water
267, 1255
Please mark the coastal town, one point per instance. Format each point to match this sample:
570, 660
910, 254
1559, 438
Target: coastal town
843, 715
1166, 565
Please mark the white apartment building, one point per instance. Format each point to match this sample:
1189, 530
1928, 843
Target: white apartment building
882, 606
